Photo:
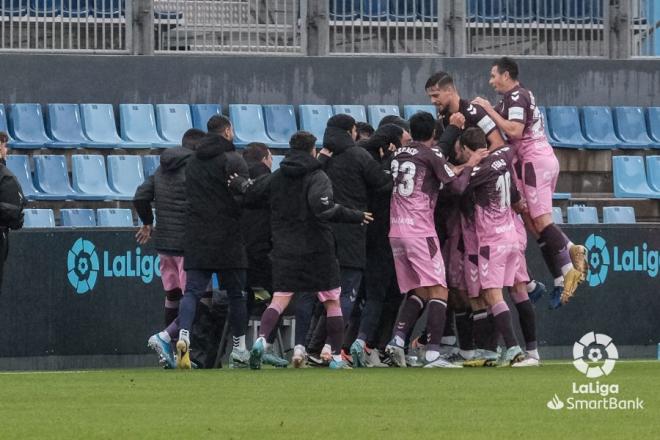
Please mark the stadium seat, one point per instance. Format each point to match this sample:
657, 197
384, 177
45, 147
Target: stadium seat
3, 122
378, 112
549, 11
486, 10
45, 8
619, 214
557, 216
39, 218
90, 178
78, 218
356, 111
76, 8
427, 10
115, 218
375, 9
630, 125
65, 126
277, 160
52, 177
561, 196
409, 110
107, 8
544, 115
344, 9
629, 178
582, 215
521, 11
201, 113
173, 120
583, 11
125, 174
13, 8
20, 166
653, 172
150, 164
652, 121
249, 124
26, 125
403, 10
280, 123
599, 127
564, 127
313, 118
99, 125
138, 125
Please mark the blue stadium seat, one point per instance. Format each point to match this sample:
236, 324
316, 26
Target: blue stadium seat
173, 120
20, 166
249, 125
344, 9
280, 123
150, 164
39, 218
583, 11
78, 218
14, 8
599, 127
582, 215
138, 125
544, 116
561, 196
356, 111
652, 120
76, 8
201, 113
486, 10
89, 177
26, 125
557, 216
403, 10
52, 177
100, 127
45, 8
409, 110
521, 11
427, 10
630, 125
549, 11
564, 127
653, 172
125, 174
313, 118
375, 9
107, 8
629, 178
3, 123
277, 160
378, 112
115, 218
65, 126
619, 214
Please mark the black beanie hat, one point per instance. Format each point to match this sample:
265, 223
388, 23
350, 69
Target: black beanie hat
345, 122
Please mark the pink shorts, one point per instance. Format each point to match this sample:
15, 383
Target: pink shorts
323, 296
522, 275
452, 253
172, 273
498, 265
539, 182
418, 262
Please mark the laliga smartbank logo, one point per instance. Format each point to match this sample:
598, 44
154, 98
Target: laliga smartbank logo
633, 259
595, 355
84, 270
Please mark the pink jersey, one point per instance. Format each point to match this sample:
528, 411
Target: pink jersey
519, 105
419, 172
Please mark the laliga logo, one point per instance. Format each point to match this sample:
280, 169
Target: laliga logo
635, 259
599, 260
595, 347
82, 266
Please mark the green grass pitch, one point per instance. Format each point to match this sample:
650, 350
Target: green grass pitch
310, 404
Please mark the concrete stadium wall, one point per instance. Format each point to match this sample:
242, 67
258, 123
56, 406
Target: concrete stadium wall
312, 80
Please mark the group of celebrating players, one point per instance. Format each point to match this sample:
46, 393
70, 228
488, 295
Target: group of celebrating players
426, 217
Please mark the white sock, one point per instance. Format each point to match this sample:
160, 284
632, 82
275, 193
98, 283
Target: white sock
531, 286
431, 355
448, 340
559, 282
467, 354
361, 342
239, 342
566, 268
398, 340
326, 349
165, 336
533, 353
184, 336
299, 347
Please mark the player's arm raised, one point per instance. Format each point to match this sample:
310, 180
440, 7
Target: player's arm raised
513, 128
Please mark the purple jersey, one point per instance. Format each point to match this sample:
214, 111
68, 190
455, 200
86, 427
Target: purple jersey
519, 105
493, 193
475, 116
418, 172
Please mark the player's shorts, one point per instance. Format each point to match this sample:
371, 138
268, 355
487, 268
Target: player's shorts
452, 253
471, 275
418, 262
323, 296
539, 182
498, 265
522, 275
172, 273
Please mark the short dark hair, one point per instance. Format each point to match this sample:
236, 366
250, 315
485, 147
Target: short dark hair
473, 138
303, 141
439, 79
255, 152
4, 138
218, 123
506, 64
191, 138
396, 120
363, 127
422, 126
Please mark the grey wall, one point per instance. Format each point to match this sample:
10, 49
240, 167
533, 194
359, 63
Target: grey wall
298, 80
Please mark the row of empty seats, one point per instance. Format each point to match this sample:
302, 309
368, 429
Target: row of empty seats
633, 180
602, 127
69, 8
79, 218
586, 215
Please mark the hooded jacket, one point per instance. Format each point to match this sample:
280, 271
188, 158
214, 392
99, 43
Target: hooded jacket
213, 239
167, 187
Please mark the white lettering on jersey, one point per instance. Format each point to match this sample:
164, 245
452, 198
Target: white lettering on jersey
516, 113
486, 124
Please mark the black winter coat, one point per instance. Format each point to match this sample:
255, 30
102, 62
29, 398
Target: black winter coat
167, 187
354, 174
11, 210
301, 206
213, 239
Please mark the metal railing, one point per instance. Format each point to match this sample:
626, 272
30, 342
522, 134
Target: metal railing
87, 26
243, 26
643, 20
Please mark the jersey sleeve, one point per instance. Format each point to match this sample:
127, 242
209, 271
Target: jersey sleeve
477, 116
516, 105
440, 166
